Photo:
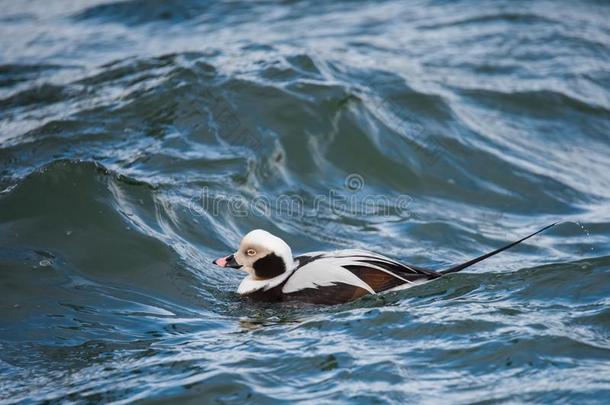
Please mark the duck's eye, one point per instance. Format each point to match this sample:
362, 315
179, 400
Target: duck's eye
250, 252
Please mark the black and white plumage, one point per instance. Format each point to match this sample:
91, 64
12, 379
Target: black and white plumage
324, 277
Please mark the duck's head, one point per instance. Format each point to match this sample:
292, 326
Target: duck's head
265, 257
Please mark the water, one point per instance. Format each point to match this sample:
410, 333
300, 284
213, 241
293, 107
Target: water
140, 139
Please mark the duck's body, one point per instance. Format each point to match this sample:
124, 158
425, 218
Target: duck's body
336, 277
324, 277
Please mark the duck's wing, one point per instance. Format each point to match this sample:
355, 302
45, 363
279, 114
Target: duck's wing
341, 276
345, 275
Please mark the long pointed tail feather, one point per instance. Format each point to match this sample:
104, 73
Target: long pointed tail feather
469, 263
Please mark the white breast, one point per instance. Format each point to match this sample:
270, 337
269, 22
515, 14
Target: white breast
248, 285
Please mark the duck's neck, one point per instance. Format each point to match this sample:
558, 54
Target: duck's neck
251, 283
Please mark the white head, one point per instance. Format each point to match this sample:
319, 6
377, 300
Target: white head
266, 258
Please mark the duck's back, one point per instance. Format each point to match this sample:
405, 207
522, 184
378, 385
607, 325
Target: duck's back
342, 276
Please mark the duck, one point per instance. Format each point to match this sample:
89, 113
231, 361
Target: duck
326, 278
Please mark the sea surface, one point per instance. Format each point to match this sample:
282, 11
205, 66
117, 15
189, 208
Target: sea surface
140, 139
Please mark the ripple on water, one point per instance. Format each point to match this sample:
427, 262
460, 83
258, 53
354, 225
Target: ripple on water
121, 121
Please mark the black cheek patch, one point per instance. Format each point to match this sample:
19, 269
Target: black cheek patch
269, 266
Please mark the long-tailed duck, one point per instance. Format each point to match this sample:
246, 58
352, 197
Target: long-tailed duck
325, 277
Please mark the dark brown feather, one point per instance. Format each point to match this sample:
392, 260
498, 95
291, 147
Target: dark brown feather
378, 280
328, 295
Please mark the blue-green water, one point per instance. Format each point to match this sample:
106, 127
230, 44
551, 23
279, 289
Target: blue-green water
141, 139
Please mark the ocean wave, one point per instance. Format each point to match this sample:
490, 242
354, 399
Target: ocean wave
122, 123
